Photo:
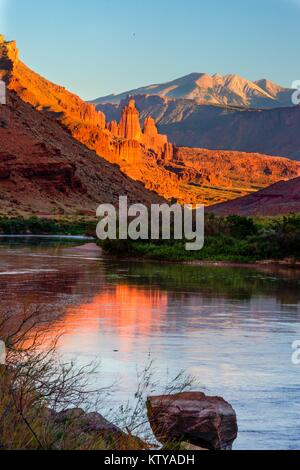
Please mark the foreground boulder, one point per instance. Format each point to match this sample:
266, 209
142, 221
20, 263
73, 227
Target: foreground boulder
193, 417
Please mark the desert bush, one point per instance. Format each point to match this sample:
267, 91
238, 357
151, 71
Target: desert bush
35, 384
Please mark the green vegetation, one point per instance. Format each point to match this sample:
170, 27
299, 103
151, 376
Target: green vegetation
231, 239
42, 226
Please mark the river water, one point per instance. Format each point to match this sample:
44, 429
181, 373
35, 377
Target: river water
231, 328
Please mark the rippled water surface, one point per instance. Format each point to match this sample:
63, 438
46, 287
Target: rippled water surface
232, 328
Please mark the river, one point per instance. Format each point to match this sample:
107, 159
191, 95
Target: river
231, 328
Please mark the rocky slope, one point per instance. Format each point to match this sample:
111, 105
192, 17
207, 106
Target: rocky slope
281, 198
45, 171
230, 90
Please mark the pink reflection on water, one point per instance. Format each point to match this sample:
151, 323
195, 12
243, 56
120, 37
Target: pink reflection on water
127, 310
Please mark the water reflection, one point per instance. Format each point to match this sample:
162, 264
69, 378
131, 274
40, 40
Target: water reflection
128, 310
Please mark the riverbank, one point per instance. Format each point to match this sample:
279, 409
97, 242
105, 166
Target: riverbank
228, 240
92, 249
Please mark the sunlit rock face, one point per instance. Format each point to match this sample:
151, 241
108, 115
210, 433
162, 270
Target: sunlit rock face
156, 141
129, 151
113, 127
43, 94
152, 138
133, 142
130, 124
83, 120
121, 143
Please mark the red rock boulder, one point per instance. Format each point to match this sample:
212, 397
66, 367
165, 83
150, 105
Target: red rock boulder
193, 417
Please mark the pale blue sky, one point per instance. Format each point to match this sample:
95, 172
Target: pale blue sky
97, 47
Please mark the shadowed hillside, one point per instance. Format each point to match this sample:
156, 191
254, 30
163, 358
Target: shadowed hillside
279, 199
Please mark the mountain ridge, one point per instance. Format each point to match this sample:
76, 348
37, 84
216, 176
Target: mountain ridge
202, 88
